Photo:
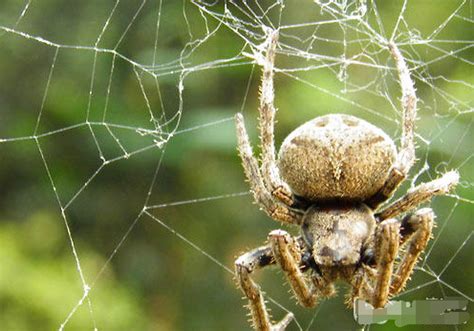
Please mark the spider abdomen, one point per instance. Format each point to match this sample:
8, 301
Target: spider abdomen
336, 157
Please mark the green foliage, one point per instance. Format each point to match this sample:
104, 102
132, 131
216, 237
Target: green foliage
39, 281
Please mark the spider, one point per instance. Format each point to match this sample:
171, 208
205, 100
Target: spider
331, 177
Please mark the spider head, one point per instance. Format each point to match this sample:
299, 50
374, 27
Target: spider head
337, 232
336, 157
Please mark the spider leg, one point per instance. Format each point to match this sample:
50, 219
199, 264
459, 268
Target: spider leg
406, 153
287, 254
361, 288
420, 194
244, 266
274, 209
358, 282
416, 231
270, 173
386, 250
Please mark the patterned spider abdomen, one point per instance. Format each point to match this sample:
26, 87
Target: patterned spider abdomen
336, 157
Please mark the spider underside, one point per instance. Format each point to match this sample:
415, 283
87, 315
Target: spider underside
332, 175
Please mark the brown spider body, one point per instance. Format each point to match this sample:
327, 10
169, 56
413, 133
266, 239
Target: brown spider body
336, 157
335, 161
332, 175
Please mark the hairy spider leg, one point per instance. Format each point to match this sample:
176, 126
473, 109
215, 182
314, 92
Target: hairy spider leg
277, 187
285, 251
245, 265
275, 209
288, 255
420, 194
406, 155
415, 232
386, 250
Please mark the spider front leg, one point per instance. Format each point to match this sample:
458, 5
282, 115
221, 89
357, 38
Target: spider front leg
285, 251
386, 249
416, 232
263, 197
361, 288
244, 266
270, 173
406, 154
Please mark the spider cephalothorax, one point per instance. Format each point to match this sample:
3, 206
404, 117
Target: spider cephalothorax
330, 179
335, 233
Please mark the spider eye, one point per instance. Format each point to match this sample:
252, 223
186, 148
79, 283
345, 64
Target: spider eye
350, 121
322, 122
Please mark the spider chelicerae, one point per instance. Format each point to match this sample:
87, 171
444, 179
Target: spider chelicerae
331, 177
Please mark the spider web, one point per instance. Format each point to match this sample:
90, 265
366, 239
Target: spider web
130, 77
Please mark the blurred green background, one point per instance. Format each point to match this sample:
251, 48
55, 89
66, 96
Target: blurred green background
143, 274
